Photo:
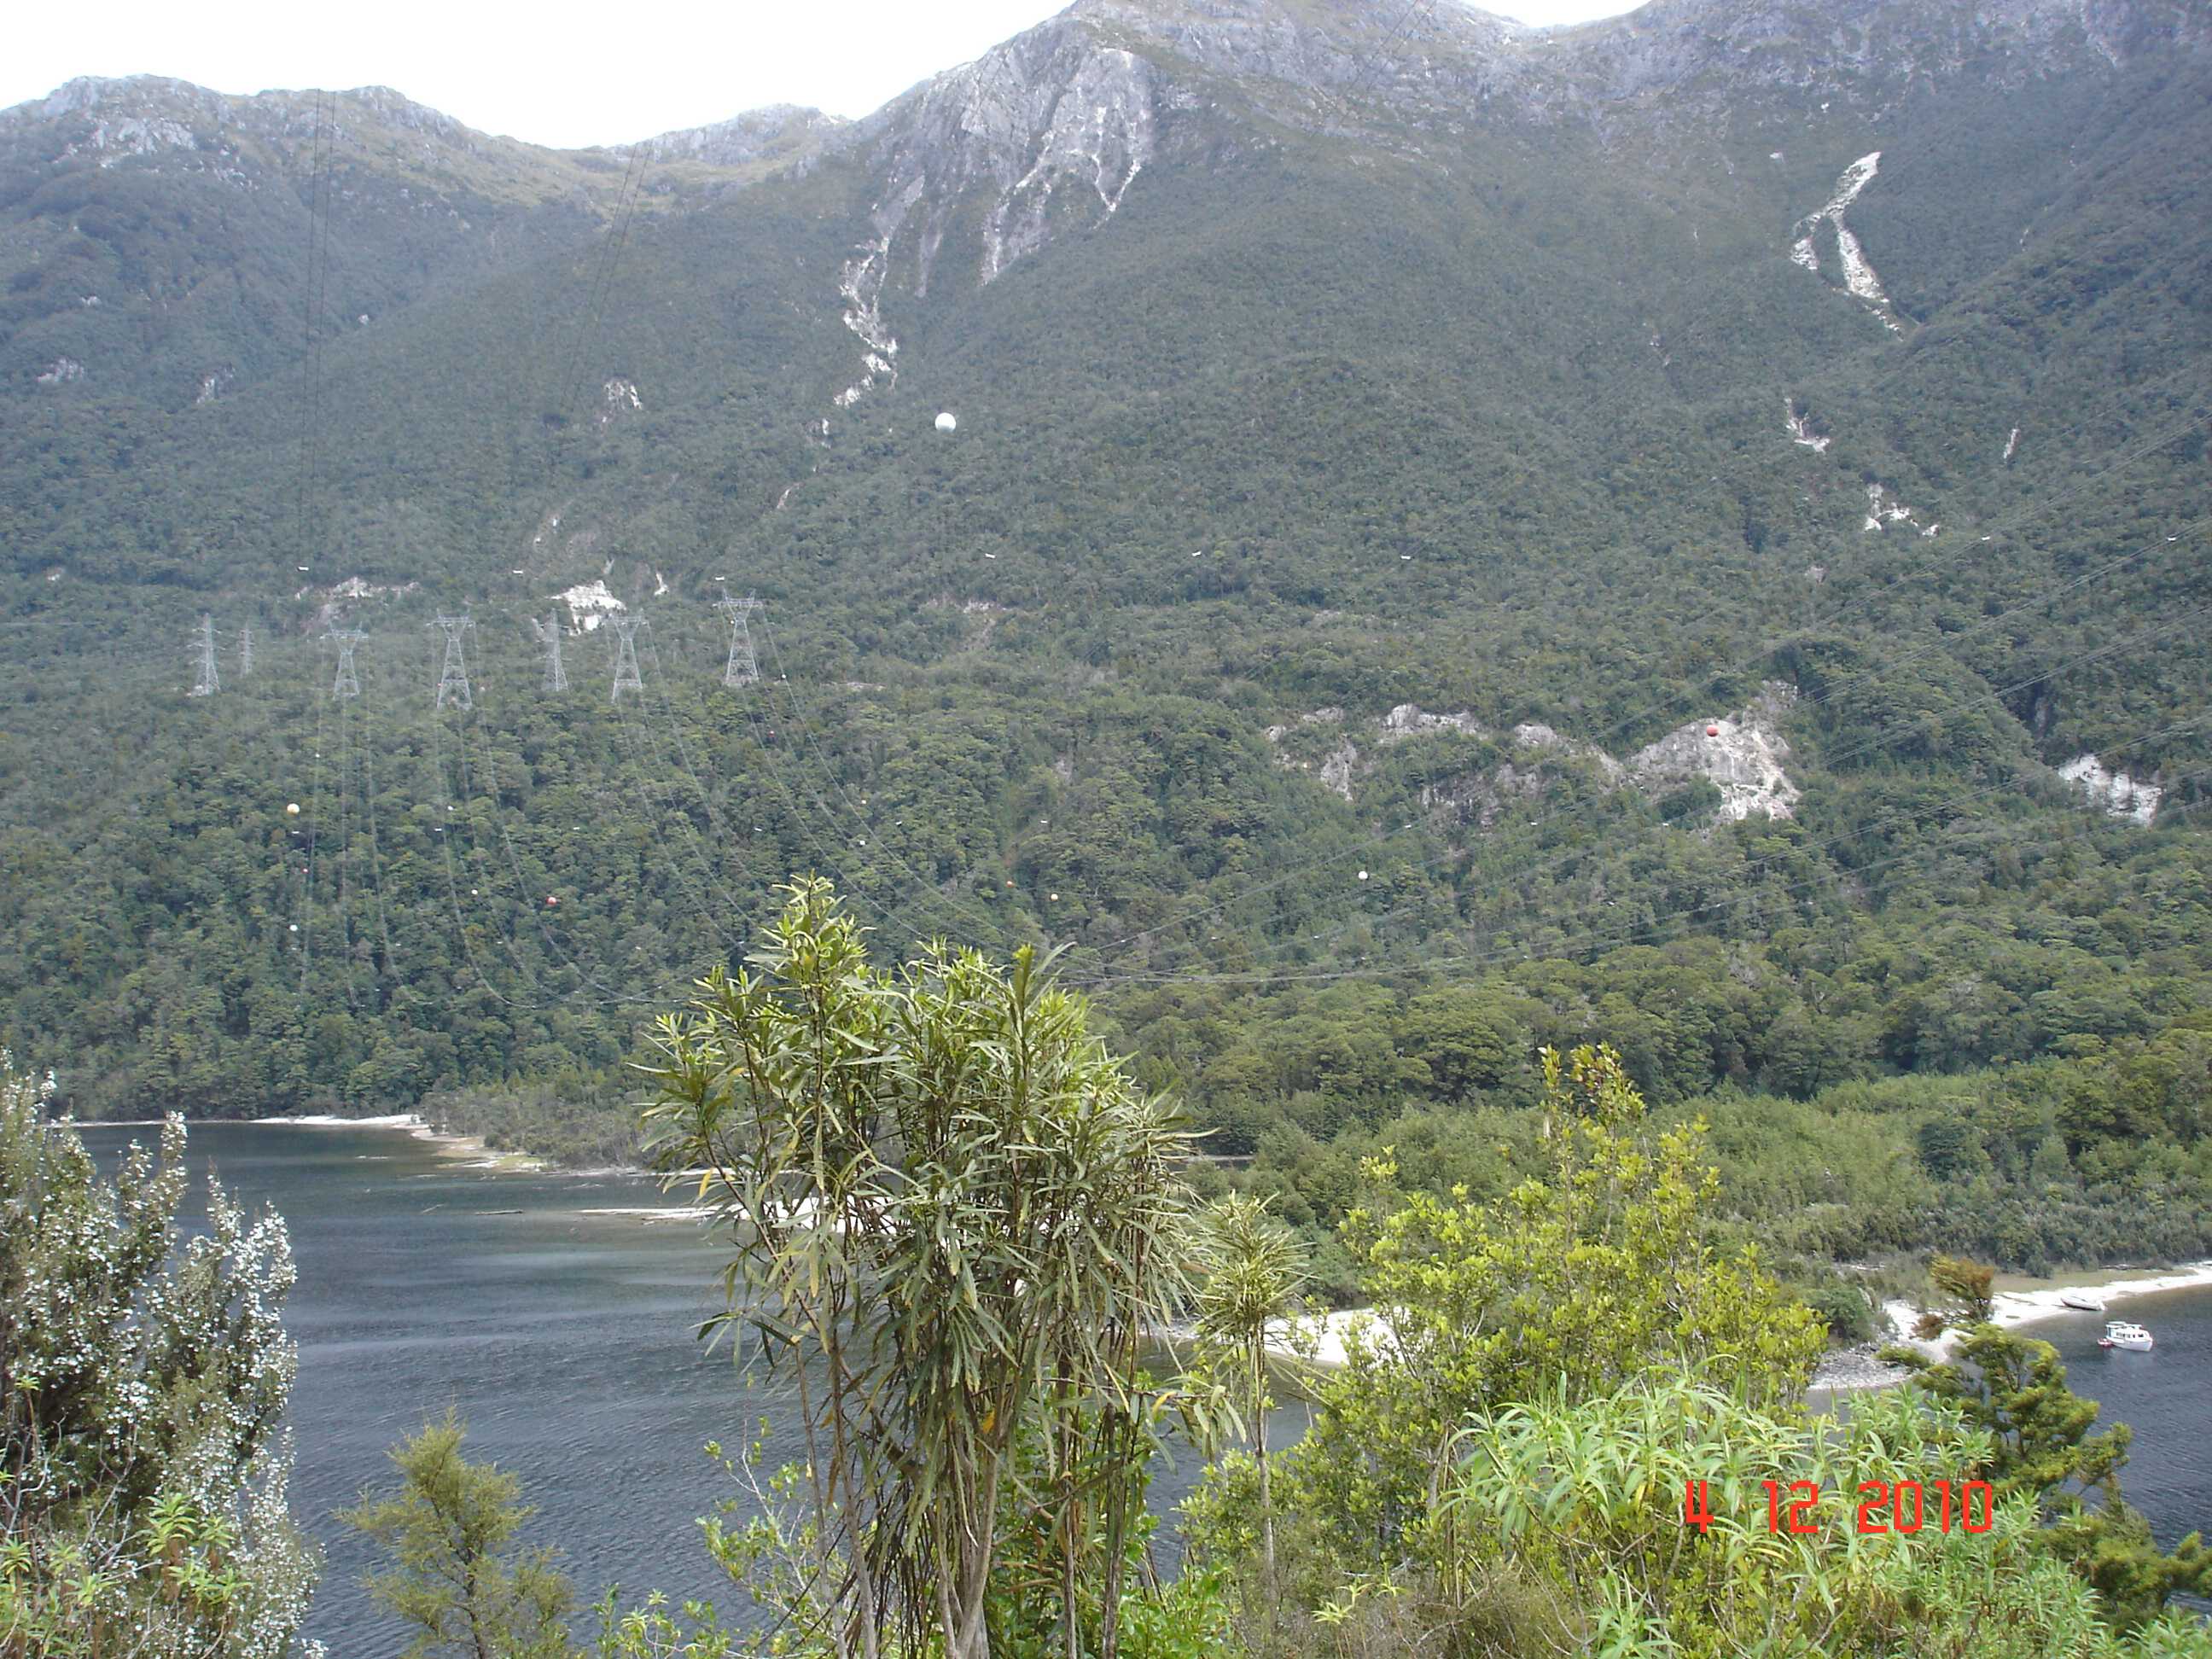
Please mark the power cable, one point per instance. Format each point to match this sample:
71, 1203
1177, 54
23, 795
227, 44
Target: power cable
918, 883
544, 929
764, 739
1794, 850
1584, 945
1767, 649
375, 857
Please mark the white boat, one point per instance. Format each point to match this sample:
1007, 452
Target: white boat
2118, 1333
2087, 1301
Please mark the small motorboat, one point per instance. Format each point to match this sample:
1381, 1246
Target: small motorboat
2086, 1301
2121, 1334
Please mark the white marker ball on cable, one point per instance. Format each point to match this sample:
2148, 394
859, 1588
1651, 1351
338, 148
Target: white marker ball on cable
947, 422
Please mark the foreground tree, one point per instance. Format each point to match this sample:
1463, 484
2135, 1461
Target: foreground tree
952, 1221
2042, 1449
1256, 1272
1582, 1283
1579, 1509
142, 1381
456, 1579
1967, 1299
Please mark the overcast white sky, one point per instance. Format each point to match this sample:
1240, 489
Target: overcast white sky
556, 73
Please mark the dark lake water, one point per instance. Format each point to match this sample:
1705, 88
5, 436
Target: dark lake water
2165, 1395
565, 1340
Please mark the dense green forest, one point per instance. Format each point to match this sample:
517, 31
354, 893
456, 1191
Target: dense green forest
1549, 1435
1312, 625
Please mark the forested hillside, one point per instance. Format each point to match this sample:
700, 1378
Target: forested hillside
1687, 533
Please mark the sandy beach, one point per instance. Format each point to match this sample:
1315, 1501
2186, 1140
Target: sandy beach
2029, 1301
449, 1144
2041, 1299
1851, 1368
2024, 1307
1324, 1332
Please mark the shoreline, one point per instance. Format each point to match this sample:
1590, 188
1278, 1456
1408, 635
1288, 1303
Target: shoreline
448, 1143
472, 1153
1846, 1370
2039, 1300
2031, 1302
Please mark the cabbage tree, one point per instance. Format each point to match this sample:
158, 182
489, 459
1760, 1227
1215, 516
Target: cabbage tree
951, 1219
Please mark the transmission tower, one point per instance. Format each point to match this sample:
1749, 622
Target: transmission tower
626, 678
744, 669
453, 678
548, 634
245, 651
204, 653
346, 685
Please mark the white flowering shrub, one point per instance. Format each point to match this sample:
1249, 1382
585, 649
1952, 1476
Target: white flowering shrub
142, 1381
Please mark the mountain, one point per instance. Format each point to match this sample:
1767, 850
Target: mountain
1686, 530
782, 133
168, 233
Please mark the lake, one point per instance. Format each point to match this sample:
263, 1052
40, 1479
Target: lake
565, 1340
2161, 1394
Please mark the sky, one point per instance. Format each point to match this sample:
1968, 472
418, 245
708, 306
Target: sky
556, 73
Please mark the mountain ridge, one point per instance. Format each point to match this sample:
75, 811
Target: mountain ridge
1654, 48
1844, 460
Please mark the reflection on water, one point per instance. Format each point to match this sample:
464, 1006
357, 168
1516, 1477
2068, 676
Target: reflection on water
2161, 1395
566, 1340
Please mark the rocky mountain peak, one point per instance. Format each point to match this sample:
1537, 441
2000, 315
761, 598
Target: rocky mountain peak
1240, 32
1457, 60
1711, 50
1053, 125
173, 113
774, 133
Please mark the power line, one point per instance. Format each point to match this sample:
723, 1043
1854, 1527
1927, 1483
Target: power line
567, 389
204, 684
307, 873
347, 682
1828, 762
919, 883
740, 608
375, 856
344, 862
650, 767
454, 676
627, 676
545, 931
765, 739
548, 634
742, 668
1586, 943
